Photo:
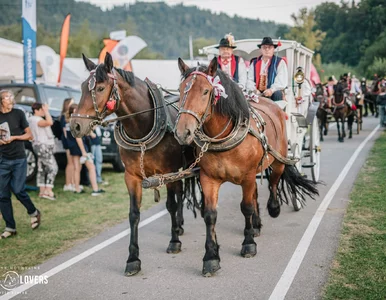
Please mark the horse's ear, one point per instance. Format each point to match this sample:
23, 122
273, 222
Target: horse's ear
182, 66
108, 62
212, 69
88, 63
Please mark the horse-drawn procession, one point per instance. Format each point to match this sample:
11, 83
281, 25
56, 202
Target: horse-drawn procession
216, 130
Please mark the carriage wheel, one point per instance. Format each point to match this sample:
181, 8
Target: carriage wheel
315, 150
297, 153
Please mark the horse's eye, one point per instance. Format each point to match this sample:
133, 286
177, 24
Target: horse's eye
206, 92
100, 89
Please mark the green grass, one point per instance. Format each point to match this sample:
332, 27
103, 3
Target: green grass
359, 269
67, 221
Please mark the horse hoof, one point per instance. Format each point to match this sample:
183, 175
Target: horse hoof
248, 250
180, 231
210, 267
132, 268
174, 247
256, 232
325, 132
274, 212
350, 136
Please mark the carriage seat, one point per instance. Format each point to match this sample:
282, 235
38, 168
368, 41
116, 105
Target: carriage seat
282, 104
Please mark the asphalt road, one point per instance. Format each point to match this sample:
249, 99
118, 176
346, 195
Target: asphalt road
98, 274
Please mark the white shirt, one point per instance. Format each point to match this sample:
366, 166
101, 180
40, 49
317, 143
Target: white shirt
242, 71
281, 79
355, 86
41, 135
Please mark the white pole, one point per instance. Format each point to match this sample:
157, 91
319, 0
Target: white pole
190, 47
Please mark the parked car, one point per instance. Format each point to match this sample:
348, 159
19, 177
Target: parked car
27, 94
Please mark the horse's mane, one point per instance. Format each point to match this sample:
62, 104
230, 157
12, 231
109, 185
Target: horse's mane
101, 75
235, 106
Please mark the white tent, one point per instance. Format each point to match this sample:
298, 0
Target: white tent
163, 72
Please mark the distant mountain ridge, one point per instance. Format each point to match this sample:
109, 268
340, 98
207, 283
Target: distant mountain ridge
165, 29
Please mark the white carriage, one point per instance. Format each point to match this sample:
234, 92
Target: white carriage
302, 125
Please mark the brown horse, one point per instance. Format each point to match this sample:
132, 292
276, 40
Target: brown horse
109, 90
342, 110
241, 139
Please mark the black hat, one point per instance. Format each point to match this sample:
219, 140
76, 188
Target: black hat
330, 78
227, 41
267, 41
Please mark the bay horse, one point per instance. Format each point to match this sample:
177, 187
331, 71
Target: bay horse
342, 110
108, 90
236, 140
323, 110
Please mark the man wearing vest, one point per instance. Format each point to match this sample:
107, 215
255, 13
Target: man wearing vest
229, 63
268, 73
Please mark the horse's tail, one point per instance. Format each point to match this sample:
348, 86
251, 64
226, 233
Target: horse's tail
297, 186
192, 190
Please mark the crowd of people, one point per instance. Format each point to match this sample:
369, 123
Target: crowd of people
15, 129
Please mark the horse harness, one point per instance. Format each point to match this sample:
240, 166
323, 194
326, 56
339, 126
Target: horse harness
240, 129
161, 124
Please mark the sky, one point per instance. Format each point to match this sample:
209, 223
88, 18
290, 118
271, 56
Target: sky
269, 10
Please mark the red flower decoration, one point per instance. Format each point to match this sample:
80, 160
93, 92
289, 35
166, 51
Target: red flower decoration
111, 104
278, 43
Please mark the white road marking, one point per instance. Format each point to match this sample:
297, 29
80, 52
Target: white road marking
292, 268
82, 256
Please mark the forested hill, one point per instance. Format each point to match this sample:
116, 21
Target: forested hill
165, 29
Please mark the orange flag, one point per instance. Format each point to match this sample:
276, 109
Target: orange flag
109, 46
64, 43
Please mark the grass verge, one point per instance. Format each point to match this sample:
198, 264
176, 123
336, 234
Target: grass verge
359, 268
67, 221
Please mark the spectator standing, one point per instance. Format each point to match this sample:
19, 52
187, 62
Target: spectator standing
80, 155
96, 150
381, 102
43, 144
13, 164
65, 125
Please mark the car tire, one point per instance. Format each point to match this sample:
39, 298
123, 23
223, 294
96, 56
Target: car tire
118, 165
32, 164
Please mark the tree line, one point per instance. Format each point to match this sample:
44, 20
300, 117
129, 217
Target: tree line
165, 29
351, 33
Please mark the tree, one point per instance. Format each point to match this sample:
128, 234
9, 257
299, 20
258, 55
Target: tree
304, 32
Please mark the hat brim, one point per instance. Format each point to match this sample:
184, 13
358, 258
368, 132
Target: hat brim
233, 47
275, 46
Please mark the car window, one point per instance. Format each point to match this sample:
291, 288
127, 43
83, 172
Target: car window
23, 95
55, 97
76, 96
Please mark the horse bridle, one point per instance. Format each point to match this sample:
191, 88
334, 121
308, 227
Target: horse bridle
114, 98
186, 92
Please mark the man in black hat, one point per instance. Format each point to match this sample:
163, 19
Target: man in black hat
268, 73
229, 63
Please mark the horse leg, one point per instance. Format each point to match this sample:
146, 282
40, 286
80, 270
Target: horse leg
273, 204
340, 139
133, 264
320, 121
350, 121
174, 190
325, 123
248, 208
212, 257
343, 129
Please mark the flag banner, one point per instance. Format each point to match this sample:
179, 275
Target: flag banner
109, 46
126, 49
29, 39
64, 43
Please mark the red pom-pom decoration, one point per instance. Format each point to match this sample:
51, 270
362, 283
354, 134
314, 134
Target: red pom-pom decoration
278, 43
111, 104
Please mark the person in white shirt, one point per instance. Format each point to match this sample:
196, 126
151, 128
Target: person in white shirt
43, 144
268, 73
229, 63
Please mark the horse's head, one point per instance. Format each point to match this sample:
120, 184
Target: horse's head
197, 98
100, 96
